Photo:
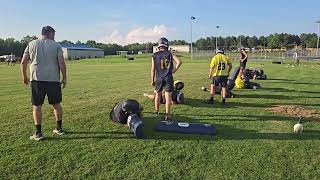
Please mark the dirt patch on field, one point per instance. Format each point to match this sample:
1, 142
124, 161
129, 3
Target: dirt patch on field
295, 111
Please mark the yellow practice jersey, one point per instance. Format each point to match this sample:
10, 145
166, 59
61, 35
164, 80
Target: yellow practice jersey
220, 65
239, 83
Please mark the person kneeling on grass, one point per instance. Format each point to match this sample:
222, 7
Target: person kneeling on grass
219, 71
162, 68
129, 113
177, 97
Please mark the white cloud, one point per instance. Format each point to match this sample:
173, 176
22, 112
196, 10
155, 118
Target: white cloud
137, 35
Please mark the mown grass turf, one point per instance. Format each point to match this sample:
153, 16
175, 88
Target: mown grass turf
252, 143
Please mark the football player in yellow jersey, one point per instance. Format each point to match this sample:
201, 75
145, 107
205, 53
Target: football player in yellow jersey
219, 71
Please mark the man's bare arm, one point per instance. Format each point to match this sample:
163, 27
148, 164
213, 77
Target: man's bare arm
63, 69
230, 67
152, 72
23, 67
210, 72
178, 63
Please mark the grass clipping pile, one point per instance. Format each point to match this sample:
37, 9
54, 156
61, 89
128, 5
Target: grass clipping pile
295, 111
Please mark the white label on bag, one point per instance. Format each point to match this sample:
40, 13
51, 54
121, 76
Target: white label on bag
183, 124
129, 120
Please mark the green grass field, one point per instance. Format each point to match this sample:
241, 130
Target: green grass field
251, 142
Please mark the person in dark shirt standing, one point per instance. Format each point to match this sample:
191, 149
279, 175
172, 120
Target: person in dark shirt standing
162, 70
243, 61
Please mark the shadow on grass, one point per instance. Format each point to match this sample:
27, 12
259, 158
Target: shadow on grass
237, 117
279, 79
224, 132
231, 133
296, 83
292, 81
307, 83
78, 135
289, 90
271, 96
265, 96
101, 132
200, 103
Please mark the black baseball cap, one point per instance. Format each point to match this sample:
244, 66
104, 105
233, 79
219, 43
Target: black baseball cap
46, 30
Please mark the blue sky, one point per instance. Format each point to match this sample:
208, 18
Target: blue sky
128, 21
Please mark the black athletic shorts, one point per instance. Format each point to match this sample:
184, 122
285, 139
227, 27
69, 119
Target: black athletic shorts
220, 81
41, 89
165, 84
243, 64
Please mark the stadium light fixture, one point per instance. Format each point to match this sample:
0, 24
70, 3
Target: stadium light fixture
318, 22
217, 37
192, 18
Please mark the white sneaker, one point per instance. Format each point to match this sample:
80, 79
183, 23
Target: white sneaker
59, 132
37, 137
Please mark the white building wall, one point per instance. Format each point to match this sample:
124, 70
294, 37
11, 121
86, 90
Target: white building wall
72, 54
175, 48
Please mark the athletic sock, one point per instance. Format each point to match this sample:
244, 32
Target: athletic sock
38, 129
59, 125
211, 99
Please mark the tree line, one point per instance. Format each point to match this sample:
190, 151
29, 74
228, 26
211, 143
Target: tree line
273, 41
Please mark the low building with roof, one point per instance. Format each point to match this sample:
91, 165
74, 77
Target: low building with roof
75, 52
175, 48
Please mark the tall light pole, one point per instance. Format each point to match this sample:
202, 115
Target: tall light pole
217, 37
318, 22
192, 18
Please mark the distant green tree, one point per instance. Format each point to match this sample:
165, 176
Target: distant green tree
253, 42
242, 41
66, 42
274, 41
263, 41
178, 42
91, 43
79, 43
25, 40
309, 40
202, 44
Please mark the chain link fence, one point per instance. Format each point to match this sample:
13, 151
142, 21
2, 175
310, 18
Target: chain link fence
294, 55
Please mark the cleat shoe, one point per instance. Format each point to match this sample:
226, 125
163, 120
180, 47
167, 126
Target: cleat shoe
59, 132
37, 137
168, 118
209, 101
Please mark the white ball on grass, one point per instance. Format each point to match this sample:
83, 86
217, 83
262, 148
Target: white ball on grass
298, 128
